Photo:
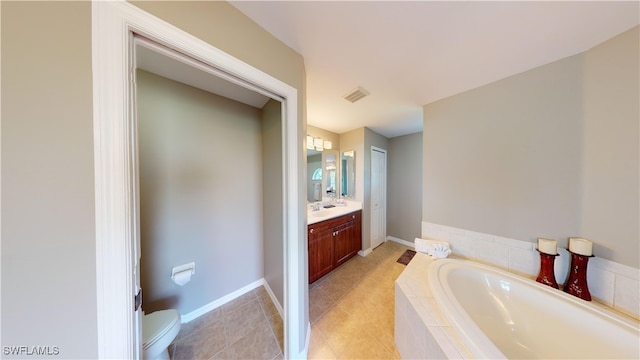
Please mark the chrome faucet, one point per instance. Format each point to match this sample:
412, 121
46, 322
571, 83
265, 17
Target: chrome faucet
316, 206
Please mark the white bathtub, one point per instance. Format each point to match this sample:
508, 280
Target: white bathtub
500, 315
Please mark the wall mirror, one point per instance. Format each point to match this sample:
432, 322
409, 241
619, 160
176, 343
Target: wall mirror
330, 174
348, 179
323, 179
314, 175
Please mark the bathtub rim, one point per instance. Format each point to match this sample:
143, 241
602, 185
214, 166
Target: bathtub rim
469, 332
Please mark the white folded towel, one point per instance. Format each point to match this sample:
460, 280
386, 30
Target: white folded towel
440, 251
435, 248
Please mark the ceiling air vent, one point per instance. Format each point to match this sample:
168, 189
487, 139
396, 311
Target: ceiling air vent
356, 94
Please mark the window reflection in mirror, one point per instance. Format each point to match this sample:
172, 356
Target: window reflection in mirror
314, 174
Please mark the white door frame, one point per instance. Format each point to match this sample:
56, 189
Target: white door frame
384, 195
113, 26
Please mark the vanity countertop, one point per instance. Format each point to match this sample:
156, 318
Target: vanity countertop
325, 214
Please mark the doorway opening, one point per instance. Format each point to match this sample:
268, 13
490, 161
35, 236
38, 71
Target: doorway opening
115, 26
209, 159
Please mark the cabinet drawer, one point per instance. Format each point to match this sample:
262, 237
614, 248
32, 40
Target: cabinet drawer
331, 223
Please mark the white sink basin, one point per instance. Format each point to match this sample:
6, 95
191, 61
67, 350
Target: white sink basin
328, 213
322, 213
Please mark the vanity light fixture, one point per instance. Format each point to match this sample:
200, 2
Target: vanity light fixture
318, 144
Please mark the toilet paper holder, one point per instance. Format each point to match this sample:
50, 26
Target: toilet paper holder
182, 274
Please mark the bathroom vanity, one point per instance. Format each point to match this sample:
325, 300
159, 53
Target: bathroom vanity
334, 237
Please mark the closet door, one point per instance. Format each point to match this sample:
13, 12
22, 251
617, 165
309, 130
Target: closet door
378, 196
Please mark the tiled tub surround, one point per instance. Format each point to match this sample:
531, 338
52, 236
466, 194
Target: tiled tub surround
610, 283
423, 331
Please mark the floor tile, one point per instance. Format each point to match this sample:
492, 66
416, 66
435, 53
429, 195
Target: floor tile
202, 344
351, 313
242, 319
319, 347
259, 343
364, 346
358, 324
249, 327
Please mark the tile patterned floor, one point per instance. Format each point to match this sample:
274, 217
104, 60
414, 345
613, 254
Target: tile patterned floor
352, 309
248, 327
351, 312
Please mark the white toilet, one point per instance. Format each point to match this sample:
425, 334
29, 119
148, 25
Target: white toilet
159, 329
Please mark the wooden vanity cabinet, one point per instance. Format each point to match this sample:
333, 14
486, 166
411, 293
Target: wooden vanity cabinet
332, 242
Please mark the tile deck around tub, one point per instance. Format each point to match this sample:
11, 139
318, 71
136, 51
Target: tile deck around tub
422, 332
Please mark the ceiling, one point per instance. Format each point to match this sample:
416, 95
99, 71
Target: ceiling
408, 54
172, 65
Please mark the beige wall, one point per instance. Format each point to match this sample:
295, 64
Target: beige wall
354, 140
48, 232
361, 141
325, 135
504, 159
611, 149
533, 155
201, 189
404, 191
272, 191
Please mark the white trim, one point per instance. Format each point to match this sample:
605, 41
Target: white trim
230, 297
114, 238
305, 352
113, 24
273, 297
400, 241
365, 252
219, 302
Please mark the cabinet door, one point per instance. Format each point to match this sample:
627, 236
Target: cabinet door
344, 242
348, 237
320, 252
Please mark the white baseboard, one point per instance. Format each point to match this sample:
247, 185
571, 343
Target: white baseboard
368, 251
365, 252
400, 241
225, 299
305, 351
275, 301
